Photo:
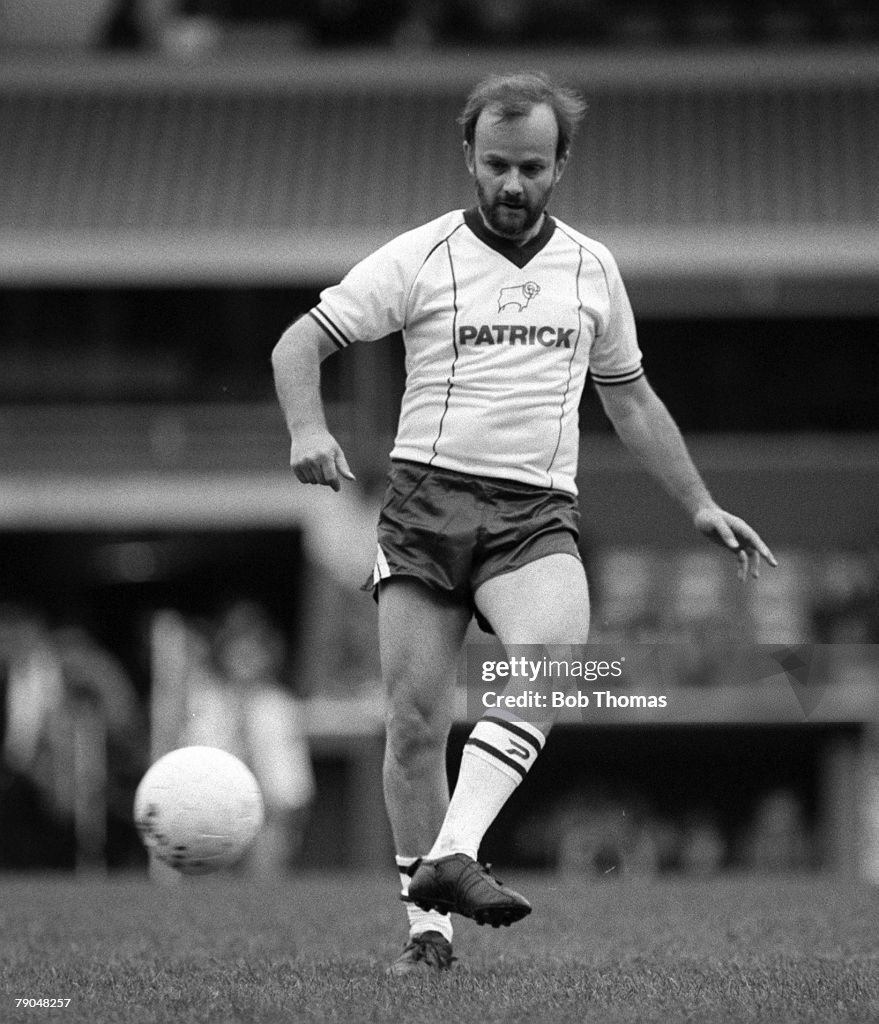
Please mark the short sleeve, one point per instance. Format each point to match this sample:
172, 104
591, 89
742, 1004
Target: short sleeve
370, 301
615, 357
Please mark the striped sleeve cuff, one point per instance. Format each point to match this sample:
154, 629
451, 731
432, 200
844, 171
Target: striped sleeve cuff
335, 333
610, 379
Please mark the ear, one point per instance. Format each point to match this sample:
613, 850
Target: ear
470, 159
559, 168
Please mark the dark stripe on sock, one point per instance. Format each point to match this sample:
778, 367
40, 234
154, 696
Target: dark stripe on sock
413, 867
514, 729
488, 748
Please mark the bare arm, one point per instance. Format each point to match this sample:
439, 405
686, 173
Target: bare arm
315, 455
647, 429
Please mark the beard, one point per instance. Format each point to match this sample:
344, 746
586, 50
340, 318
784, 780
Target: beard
510, 220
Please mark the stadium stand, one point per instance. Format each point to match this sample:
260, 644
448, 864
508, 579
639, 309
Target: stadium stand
286, 170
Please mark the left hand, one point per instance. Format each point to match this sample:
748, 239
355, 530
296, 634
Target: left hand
734, 533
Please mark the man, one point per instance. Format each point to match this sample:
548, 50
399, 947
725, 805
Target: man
503, 310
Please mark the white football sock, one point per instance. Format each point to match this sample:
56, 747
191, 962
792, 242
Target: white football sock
421, 921
497, 756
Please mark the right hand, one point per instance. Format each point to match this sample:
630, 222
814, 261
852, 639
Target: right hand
317, 458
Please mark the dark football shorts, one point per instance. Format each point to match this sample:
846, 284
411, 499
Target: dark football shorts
456, 530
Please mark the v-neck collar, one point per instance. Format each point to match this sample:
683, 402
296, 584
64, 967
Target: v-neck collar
520, 255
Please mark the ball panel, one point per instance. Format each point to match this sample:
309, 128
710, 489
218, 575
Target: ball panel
198, 809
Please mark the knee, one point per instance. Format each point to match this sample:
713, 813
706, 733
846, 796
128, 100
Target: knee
414, 732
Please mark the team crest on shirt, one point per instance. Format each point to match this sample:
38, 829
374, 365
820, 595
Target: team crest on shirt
517, 297
512, 300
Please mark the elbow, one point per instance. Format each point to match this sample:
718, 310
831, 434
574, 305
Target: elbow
277, 356
282, 345
284, 348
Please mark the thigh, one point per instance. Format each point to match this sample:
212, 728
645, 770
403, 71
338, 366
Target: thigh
545, 601
421, 632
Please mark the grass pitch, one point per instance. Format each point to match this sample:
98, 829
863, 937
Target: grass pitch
314, 949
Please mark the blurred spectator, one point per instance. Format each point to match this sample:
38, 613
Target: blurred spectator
602, 835
30, 837
94, 678
235, 699
703, 849
777, 838
74, 735
33, 686
420, 24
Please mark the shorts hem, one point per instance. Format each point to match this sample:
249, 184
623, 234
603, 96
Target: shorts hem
373, 585
540, 547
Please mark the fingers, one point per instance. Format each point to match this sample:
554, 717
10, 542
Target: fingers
318, 470
329, 475
323, 468
765, 552
751, 549
342, 466
750, 552
739, 537
724, 531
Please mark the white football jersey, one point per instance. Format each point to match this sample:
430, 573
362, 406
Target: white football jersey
498, 341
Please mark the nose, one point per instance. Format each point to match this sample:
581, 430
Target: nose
513, 183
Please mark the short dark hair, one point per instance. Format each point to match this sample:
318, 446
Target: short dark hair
514, 95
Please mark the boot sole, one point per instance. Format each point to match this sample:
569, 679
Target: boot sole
497, 917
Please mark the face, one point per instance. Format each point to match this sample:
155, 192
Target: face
514, 166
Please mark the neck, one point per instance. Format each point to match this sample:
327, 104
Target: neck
514, 239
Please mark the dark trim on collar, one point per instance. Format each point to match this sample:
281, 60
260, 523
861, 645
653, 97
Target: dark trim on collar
520, 255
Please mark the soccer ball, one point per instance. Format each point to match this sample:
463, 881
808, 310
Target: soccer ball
198, 809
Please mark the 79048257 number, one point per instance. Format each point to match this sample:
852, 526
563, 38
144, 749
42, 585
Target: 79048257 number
44, 1003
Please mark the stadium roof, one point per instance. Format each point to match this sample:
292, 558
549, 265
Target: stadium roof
697, 167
